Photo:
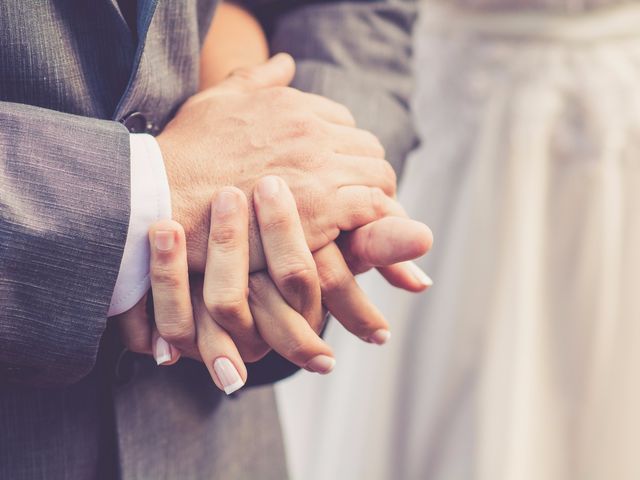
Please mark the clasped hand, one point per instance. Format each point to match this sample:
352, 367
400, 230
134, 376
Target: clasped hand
271, 267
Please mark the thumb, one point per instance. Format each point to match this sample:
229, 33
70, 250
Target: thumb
278, 71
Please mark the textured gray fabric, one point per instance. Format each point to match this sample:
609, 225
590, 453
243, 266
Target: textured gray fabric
227, 438
69, 71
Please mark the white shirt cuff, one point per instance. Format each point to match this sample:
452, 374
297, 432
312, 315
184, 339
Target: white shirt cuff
150, 202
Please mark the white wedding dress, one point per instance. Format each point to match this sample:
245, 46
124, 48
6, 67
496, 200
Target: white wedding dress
523, 361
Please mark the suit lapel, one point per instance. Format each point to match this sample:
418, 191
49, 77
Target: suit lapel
146, 11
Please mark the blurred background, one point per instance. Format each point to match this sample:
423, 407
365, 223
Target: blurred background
521, 362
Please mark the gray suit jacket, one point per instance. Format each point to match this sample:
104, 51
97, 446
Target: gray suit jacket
73, 404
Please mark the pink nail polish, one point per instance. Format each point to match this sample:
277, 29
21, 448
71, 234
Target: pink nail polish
321, 364
164, 240
227, 375
268, 187
380, 337
225, 203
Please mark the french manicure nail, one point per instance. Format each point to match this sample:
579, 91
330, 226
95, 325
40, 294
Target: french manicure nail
419, 275
322, 364
225, 203
228, 375
162, 353
268, 187
164, 240
380, 337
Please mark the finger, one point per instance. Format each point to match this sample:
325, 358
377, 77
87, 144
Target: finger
170, 285
332, 112
278, 71
284, 329
226, 278
345, 300
358, 170
163, 353
289, 261
218, 351
134, 327
354, 141
358, 206
385, 242
406, 275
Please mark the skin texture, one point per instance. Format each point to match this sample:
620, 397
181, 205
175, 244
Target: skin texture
312, 144
256, 126
240, 317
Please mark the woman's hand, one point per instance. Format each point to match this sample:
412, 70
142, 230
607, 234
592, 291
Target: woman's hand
278, 310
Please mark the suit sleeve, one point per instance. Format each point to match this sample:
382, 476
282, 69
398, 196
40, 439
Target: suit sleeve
359, 54
64, 214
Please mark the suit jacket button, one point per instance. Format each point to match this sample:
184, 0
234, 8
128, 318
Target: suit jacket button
136, 122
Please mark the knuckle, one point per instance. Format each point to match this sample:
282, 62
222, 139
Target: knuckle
346, 113
223, 235
279, 94
178, 333
377, 201
304, 126
229, 310
334, 280
376, 145
244, 73
279, 223
297, 277
177, 329
390, 178
166, 275
228, 304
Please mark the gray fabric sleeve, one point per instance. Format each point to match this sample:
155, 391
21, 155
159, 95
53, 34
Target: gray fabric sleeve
359, 54
64, 214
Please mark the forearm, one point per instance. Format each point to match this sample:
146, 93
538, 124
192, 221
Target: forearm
235, 39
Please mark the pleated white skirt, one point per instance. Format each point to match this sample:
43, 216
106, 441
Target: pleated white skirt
523, 361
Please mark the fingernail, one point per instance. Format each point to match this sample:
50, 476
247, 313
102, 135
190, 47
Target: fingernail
322, 364
380, 337
268, 187
225, 203
162, 353
228, 375
164, 240
419, 275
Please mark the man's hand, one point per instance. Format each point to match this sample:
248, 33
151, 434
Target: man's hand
252, 125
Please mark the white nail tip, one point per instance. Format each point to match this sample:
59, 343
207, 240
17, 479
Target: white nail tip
228, 375
163, 358
419, 274
162, 353
229, 389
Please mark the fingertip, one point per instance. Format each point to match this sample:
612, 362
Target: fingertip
322, 364
284, 60
424, 242
227, 202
